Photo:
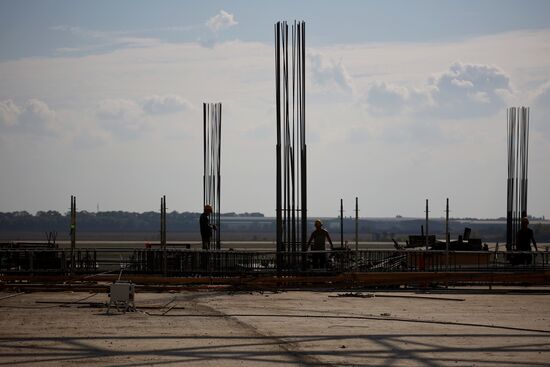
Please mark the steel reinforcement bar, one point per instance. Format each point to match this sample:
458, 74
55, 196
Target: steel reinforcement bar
345, 280
182, 262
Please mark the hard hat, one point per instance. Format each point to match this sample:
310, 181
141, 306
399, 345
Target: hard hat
318, 223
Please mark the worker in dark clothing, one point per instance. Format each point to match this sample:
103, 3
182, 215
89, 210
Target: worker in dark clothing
524, 237
206, 227
319, 237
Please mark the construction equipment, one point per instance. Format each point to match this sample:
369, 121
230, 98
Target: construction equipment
121, 295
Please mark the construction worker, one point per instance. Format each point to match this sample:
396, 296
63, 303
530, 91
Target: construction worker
319, 237
206, 227
524, 237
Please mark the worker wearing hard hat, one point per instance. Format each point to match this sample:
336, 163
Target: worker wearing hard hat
319, 237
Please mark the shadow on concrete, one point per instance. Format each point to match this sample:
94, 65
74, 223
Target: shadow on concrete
376, 350
353, 317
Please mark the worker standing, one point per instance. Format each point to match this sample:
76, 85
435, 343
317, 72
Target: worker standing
206, 227
319, 237
524, 238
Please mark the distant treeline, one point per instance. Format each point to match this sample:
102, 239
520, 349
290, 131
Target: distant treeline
246, 226
108, 221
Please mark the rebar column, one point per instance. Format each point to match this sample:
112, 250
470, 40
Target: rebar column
518, 162
212, 134
73, 232
291, 166
163, 221
447, 235
342, 223
356, 224
427, 230
163, 233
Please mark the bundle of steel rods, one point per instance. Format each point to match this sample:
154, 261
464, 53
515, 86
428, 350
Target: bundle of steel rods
518, 159
212, 128
291, 137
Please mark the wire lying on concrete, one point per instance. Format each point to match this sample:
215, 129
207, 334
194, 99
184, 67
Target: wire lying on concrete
375, 295
12, 295
354, 317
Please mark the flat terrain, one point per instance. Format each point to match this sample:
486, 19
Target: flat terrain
271, 329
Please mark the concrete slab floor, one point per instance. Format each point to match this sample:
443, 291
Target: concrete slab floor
276, 329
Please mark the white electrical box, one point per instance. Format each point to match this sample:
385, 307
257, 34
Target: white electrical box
122, 296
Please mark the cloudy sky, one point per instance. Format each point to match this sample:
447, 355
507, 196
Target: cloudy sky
406, 100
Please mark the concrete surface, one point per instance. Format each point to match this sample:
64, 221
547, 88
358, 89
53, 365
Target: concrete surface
276, 329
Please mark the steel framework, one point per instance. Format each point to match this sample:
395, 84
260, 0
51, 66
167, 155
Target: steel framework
212, 139
291, 195
518, 159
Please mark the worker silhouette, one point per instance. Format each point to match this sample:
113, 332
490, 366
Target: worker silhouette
319, 237
524, 237
206, 227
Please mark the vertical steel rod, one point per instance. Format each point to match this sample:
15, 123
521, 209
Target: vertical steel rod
342, 223
427, 230
73, 233
212, 114
163, 234
291, 170
356, 224
518, 163
447, 235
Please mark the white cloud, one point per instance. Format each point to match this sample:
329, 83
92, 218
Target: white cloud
386, 99
8, 113
97, 41
120, 109
128, 119
464, 90
541, 109
542, 98
79, 31
90, 138
326, 73
221, 21
169, 103
240, 75
34, 117
468, 90
121, 117
36, 110
462, 83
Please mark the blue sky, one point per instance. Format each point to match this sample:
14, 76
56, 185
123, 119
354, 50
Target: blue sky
406, 100
27, 27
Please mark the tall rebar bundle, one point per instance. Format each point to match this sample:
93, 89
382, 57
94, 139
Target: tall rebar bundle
291, 137
518, 160
212, 128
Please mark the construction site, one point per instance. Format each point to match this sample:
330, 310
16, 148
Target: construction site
426, 301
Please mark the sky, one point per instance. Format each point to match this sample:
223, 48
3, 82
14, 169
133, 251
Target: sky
405, 101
